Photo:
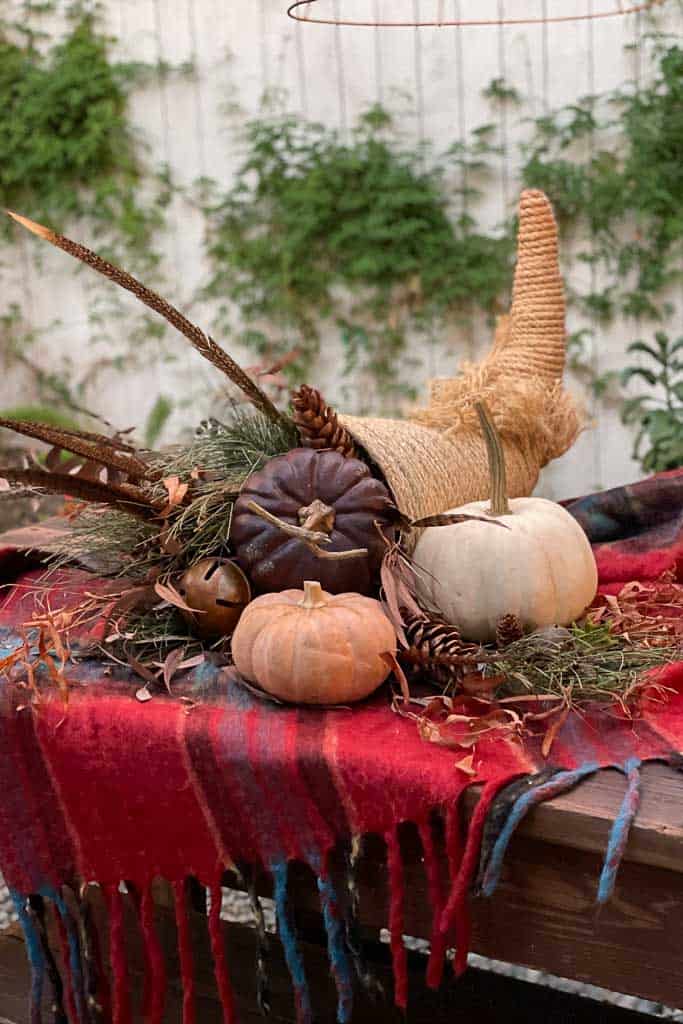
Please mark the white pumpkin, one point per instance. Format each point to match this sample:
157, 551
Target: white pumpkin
540, 567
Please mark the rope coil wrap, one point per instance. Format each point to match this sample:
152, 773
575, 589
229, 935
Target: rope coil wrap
436, 459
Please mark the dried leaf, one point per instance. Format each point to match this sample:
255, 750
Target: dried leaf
143, 694
141, 670
458, 729
176, 493
11, 659
553, 730
193, 662
171, 664
168, 593
389, 658
397, 577
475, 684
466, 765
265, 370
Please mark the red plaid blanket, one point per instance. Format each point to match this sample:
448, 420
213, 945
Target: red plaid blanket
106, 789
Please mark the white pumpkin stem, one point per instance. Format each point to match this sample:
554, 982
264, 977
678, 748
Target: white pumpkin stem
500, 506
313, 595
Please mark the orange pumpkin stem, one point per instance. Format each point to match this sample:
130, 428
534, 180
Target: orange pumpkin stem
500, 506
313, 595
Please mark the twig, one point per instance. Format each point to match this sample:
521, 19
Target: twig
311, 538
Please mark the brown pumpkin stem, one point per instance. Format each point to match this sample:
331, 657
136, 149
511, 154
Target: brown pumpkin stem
317, 516
311, 538
500, 506
313, 595
300, 532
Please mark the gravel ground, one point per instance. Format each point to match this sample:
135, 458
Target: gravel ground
235, 907
7, 912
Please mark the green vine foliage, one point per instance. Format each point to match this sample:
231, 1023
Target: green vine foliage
68, 152
356, 231
614, 164
658, 413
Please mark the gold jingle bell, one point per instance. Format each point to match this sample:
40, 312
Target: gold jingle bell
218, 591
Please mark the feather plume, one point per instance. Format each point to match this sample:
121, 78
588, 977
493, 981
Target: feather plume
204, 344
125, 497
106, 452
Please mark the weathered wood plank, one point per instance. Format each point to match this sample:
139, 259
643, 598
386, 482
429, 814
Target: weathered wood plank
582, 819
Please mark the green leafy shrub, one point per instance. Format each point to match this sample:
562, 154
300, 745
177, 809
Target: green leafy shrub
614, 164
67, 147
316, 227
658, 413
68, 151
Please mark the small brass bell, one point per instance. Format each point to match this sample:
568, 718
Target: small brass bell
218, 591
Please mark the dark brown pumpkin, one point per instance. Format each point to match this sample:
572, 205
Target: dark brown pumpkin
323, 491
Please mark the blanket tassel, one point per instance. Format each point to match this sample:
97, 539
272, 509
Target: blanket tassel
184, 950
220, 964
559, 783
35, 957
95, 983
438, 943
366, 976
619, 833
117, 955
290, 945
396, 900
456, 913
71, 964
36, 909
339, 961
154, 957
500, 810
262, 943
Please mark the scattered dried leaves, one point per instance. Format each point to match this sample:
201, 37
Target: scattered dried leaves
647, 613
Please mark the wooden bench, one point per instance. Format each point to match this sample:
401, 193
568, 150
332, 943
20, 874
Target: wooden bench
543, 916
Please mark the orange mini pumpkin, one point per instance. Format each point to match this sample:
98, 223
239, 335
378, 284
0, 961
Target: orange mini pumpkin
310, 647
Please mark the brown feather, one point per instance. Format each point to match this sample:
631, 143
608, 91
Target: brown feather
71, 441
204, 344
123, 496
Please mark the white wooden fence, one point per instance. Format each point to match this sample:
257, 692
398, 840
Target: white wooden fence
434, 76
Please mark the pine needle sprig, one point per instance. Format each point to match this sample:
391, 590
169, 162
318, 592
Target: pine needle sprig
583, 664
203, 343
110, 542
215, 465
233, 449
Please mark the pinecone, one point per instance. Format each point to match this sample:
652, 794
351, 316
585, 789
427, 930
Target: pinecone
318, 425
433, 639
508, 629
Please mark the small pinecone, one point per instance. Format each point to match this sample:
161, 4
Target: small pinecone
508, 629
318, 425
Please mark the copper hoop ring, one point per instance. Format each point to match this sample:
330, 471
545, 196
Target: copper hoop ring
305, 18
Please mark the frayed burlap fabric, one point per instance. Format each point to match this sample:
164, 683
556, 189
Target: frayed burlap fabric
436, 459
